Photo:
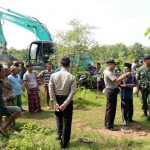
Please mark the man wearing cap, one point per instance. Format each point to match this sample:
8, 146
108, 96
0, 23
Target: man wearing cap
127, 95
111, 90
143, 75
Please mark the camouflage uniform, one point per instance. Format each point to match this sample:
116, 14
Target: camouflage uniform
7, 94
143, 73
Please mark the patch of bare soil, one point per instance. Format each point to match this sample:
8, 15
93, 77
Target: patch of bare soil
133, 130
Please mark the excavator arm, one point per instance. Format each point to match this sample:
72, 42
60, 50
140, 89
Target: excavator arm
39, 51
40, 30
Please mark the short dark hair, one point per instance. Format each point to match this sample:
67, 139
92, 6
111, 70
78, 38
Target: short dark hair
65, 61
1, 66
28, 65
136, 61
22, 63
49, 63
16, 64
98, 63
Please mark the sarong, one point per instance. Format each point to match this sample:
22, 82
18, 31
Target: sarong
34, 100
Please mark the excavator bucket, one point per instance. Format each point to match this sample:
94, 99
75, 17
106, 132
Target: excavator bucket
5, 60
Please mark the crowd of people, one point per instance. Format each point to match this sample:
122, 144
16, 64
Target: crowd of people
119, 81
60, 88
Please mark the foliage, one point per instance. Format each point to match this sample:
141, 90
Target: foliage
37, 131
19, 54
147, 32
75, 43
31, 138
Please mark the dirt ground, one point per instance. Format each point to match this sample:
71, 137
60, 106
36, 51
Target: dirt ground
133, 130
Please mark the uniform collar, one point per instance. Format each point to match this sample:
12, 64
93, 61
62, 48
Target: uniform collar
109, 69
63, 69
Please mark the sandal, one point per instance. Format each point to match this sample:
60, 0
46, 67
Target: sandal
84, 140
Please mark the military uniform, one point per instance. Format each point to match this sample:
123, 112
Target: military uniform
143, 73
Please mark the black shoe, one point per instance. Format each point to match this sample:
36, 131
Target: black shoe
58, 137
145, 114
148, 118
113, 129
63, 145
133, 121
4, 134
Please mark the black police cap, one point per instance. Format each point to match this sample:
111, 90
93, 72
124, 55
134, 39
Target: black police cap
147, 57
127, 65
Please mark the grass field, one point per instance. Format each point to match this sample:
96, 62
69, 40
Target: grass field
37, 131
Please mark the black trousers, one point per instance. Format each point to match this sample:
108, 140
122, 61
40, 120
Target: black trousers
110, 108
127, 109
64, 120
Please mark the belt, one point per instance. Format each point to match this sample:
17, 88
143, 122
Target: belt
61, 95
112, 89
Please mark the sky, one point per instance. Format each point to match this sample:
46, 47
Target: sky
117, 21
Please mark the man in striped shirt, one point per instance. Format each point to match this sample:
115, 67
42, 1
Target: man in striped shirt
45, 77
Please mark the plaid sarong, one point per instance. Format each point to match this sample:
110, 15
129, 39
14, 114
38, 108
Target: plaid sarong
34, 100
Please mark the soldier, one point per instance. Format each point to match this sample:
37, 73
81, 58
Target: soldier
143, 75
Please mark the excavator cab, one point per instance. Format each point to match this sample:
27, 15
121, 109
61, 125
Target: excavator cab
39, 53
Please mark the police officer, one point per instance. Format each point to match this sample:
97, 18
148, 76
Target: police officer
62, 88
143, 75
111, 90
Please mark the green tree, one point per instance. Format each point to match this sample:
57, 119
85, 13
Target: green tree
18, 54
137, 50
76, 42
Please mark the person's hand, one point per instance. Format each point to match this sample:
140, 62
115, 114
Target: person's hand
62, 107
136, 90
38, 89
28, 92
56, 107
128, 74
13, 116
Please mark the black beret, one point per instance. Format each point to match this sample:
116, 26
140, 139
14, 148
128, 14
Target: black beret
147, 57
110, 62
127, 65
